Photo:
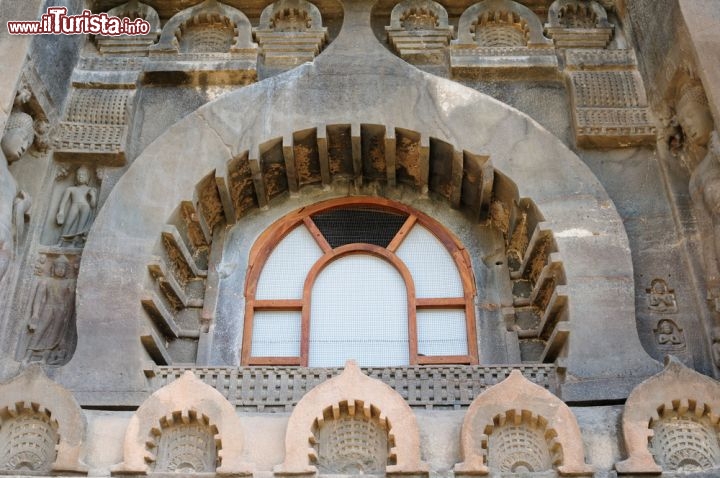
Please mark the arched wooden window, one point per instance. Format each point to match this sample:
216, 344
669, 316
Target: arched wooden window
359, 278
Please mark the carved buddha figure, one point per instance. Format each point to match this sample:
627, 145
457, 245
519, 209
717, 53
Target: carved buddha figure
705, 194
695, 120
52, 309
18, 137
667, 333
75, 210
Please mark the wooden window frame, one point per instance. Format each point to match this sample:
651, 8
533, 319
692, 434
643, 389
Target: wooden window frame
271, 237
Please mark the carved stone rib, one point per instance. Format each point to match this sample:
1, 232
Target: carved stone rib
322, 146
390, 152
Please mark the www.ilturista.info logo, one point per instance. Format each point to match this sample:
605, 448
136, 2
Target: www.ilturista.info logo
57, 21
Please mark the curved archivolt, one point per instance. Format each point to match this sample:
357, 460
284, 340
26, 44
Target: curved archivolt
357, 155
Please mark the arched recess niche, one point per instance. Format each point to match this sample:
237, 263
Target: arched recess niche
587, 229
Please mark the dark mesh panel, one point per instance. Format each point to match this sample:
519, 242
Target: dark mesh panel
347, 226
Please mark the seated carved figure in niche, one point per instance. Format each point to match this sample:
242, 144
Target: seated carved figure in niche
705, 194
51, 313
669, 336
661, 298
14, 203
75, 211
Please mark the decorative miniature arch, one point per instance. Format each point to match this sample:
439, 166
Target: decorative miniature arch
168, 38
559, 6
274, 8
418, 5
677, 387
183, 397
135, 9
520, 397
32, 389
352, 386
471, 15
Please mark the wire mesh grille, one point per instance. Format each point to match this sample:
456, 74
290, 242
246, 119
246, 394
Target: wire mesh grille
283, 276
432, 267
359, 310
352, 225
442, 332
276, 333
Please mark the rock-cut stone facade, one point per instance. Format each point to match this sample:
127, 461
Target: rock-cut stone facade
361, 237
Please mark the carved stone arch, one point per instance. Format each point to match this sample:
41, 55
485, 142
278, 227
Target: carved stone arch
678, 393
135, 9
429, 6
137, 44
35, 397
172, 30
558, 6
474, 12
360, 394
457, 122
186, 400
313, 13
520, 401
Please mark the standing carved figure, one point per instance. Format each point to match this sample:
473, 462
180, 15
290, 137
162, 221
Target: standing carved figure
53, 308
18, 137
705, 194
76, 208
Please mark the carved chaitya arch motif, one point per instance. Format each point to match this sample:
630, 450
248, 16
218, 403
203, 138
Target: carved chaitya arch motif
502, 39
131, 44
176, 302
517, 426
209, 43
506, 12
352, 405
419, 31
578, 24
186, 426
42, 428
290, 33
670, 423
210, 12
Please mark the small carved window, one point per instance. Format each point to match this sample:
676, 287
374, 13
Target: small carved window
186, 445
28, 441
578, 16
520, 444
685, 443
215, 35
363, 279
501, 29
351, 440
291, 20
419, 19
